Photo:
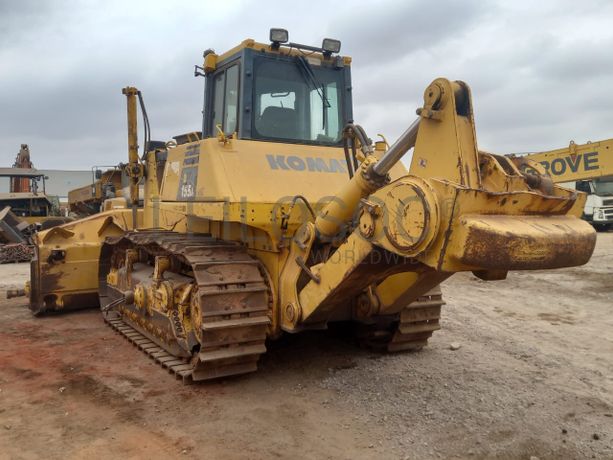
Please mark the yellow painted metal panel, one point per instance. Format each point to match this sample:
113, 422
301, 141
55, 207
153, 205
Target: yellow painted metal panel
578, 162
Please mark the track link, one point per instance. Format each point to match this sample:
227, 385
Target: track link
229, 307
411, 331
181, 368
418, 321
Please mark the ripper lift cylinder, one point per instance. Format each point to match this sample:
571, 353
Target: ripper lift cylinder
369, 177
404, 143
133, 169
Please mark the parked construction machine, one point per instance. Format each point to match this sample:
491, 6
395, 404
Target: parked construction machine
25, 209
106, 185
27, 195
282, 216
588, 168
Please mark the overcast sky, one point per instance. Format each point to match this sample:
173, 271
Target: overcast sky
540, 71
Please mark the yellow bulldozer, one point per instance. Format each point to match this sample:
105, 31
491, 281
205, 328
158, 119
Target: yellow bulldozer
88, 199
283, 216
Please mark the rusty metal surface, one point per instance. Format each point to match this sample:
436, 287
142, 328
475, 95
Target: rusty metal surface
64, 271
224, 330
522, 242
14, 238
18, 252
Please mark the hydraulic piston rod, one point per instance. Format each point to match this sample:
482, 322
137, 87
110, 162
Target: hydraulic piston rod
370, 176
397, 150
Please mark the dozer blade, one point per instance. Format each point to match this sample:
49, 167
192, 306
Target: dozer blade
64, 270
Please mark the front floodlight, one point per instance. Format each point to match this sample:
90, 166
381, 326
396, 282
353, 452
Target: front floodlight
278, 36
329, 45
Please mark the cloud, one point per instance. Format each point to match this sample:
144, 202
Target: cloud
538, 70
583, 60
536, 82
383, 31
20, 20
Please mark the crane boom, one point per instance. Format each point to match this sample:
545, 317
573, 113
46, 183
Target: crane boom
591, 160
587, 168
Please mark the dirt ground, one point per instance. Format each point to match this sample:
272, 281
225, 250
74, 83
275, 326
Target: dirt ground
533, 377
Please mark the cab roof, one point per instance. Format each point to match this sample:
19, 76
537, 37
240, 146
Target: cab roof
284, 50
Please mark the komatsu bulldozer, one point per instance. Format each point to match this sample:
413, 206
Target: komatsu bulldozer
283, 216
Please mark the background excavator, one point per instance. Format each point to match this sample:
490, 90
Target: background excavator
282, 216
587, 168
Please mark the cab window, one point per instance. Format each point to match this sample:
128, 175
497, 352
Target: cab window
225, 100
297, 103
584, 186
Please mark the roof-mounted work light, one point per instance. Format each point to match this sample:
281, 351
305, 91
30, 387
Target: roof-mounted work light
278, 36
330, 45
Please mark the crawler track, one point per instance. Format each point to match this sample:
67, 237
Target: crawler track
409, 332
228, 307
182, 368
418, 321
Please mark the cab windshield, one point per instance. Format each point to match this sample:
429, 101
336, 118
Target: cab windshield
603, 187
297, 100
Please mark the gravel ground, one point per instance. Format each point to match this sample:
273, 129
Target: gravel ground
532, 377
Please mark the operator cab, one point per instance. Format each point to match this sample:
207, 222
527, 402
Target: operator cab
281, 92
